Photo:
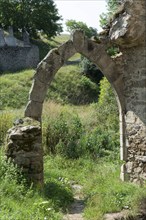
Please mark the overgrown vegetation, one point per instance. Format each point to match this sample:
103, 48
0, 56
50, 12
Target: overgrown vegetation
18, 202
81, 148
103, 193
69, 134
81, 145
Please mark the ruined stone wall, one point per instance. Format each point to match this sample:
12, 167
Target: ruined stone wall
17, 58
16, 54
135, 117
24, 148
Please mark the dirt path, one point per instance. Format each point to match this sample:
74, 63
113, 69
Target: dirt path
76, 209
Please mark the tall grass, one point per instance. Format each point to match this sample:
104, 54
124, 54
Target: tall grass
7, 119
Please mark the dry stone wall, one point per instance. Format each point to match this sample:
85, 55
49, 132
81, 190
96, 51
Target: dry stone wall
15, 54
17, 58
24, 148
135, 117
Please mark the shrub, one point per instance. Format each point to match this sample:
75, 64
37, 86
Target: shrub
63, 135
90, 70
107, 108
97, 143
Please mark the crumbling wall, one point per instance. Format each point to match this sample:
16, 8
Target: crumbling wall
15, 54
128, 31
24, 148
18, 58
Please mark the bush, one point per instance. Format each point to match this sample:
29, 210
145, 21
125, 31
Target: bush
97, 143
63, 135
107, 108
66, 135
90, 70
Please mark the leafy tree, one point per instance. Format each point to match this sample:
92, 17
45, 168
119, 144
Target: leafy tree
32, 15
73, 25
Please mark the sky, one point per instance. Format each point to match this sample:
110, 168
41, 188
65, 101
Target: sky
87, 11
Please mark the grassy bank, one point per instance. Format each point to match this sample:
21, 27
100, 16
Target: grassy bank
102, 189
68, 86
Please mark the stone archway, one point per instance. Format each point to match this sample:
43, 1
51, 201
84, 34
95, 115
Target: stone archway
57, 57
126, 73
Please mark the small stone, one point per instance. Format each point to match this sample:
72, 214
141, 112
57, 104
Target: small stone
138, 170
15, 135
129, 167
141, 158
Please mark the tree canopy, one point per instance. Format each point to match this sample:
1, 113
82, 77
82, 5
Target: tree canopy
32, 15
73, 24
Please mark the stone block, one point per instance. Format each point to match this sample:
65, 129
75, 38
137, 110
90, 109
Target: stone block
141, 159
38, 91
66, 51
78, 38
34, 110
129, 167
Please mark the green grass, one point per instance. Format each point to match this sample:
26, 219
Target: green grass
102, 188
6, 122
45, 44
20, 202
68, 86
15, 88
60, 39
75, 57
